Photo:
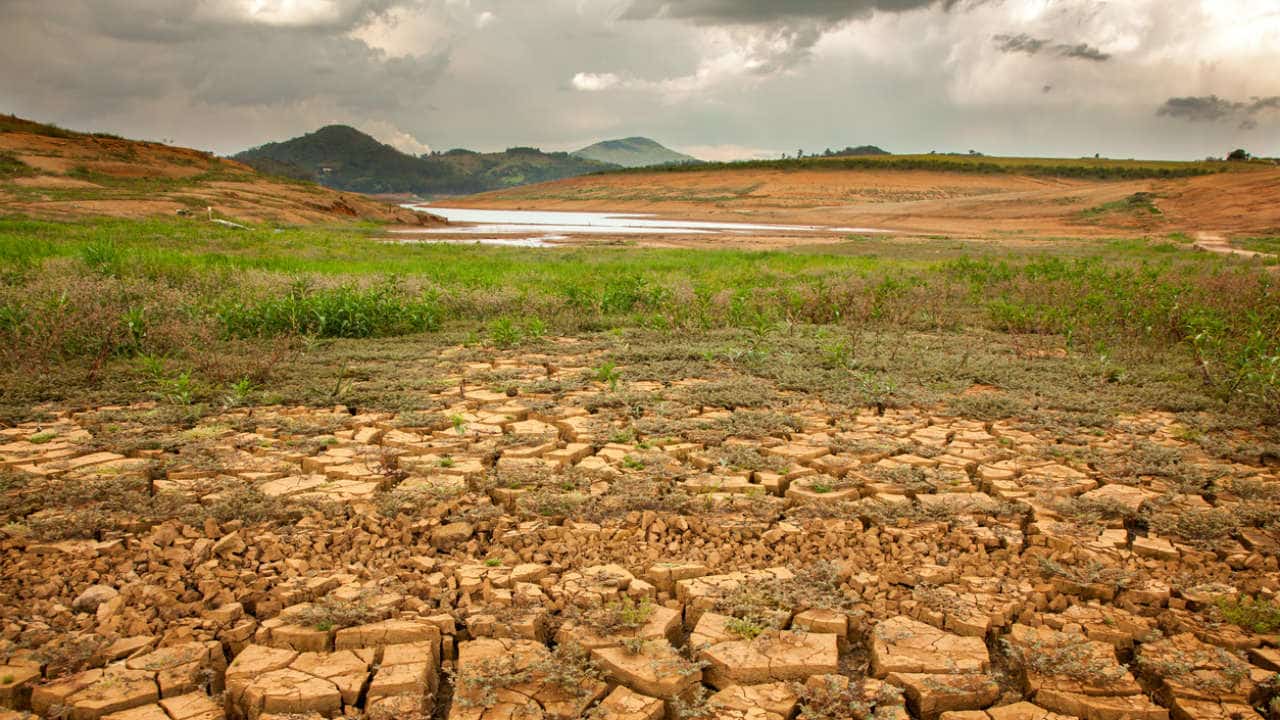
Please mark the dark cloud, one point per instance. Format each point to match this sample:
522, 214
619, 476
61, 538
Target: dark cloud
1207, 108
1020, 43
769, 11
227, 74
211, 52
183, 20
791, 28
1211, 108
1082, 51
1024, 43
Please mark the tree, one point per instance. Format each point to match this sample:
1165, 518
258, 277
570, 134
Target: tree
1238, 155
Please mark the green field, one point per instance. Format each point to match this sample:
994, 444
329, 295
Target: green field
120, 310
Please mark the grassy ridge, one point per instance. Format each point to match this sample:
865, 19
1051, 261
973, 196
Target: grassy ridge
1082, 168
93, 295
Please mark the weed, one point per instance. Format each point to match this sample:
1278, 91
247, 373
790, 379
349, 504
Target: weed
103, 257
832, 697
1197, 526
731, 394
817, 586
415, 501
745, 457
238, 393
1091, 573
614, 618
1253, 614
746, 628
607, 373
1069, 656
180, 389
504, 333
342, 312
568, 668
331, 613
72, 654
549, 503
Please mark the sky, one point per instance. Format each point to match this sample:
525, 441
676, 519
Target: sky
719, 79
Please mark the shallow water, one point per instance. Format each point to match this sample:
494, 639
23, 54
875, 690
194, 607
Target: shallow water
539, 241
502, 222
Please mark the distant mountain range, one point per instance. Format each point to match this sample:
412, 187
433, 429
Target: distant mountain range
344, 158
633, 152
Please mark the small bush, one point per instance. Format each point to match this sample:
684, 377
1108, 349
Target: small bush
1252, 614
330, 613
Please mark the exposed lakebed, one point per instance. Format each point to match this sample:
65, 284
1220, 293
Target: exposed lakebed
542, 228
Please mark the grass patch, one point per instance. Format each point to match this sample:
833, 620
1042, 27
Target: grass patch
12, 167
83, 298
1253, 614
1141, 203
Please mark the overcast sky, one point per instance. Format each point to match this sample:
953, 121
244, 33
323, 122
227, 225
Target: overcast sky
716, 78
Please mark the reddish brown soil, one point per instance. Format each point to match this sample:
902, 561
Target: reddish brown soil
86, 175
1240, 203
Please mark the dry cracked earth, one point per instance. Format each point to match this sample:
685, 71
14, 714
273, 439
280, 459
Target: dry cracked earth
627, 550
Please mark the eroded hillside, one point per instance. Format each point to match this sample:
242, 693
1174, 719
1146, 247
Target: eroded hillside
49, 172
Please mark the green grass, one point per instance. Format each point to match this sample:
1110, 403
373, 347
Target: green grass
1254, 615
13, 123
84, 296
1142, 203
12, 167
1261, 244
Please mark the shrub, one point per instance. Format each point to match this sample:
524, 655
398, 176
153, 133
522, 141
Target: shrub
1252, 614
331, 613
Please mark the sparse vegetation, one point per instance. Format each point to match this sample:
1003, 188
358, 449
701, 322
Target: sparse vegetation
1253, 614
332, 613
979, 164
161, 288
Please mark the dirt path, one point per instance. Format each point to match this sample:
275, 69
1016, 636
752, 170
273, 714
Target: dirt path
1215, 243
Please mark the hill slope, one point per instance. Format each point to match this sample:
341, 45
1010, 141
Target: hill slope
936, 195
46, 171
342, 157
633, 152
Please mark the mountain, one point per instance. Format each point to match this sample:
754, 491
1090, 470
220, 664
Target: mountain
342, 157
51, 172
633, 152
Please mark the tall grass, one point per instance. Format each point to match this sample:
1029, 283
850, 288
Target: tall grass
79, 293
346, 311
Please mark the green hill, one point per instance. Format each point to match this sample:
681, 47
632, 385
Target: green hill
633, 152
344, 158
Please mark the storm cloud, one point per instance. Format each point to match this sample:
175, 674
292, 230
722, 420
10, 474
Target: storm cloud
1024, 43
1211, 108
771, 11
731, 78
